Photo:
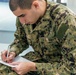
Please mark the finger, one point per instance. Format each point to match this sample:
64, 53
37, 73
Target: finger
9, 61
16, 70
15, 63
11, 56
3, 55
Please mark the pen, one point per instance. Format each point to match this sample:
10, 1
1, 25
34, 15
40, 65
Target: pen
8, 51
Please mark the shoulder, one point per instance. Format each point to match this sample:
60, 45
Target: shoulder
59, 12
57, 7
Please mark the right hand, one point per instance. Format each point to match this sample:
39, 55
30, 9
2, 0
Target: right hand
10, 57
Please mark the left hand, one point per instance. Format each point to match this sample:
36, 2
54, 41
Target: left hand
23, 67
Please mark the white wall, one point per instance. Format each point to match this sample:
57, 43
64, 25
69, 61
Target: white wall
6, 36
7, 18
7, 23
72, 5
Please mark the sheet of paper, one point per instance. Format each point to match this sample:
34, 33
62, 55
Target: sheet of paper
2, 62
17, 59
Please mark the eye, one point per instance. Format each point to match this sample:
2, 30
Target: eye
22, 15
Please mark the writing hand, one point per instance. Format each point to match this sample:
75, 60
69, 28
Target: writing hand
9, 58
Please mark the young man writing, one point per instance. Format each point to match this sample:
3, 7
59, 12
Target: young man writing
50, 28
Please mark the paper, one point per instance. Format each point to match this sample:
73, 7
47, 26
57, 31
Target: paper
2, 62
18, 59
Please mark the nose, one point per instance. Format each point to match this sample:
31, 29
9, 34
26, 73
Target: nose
22, 20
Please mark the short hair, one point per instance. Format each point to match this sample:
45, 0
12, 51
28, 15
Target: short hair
23, 4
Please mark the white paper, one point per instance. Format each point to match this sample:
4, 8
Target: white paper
17, 59
2, 62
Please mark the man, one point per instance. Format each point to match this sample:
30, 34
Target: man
50, 28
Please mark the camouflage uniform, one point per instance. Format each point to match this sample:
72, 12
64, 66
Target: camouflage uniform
53, 38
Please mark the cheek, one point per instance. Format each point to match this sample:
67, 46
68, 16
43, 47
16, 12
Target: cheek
35, 18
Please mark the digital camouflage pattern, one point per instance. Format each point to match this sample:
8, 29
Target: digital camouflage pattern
53, 39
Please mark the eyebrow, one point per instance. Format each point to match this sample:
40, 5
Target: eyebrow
22, 15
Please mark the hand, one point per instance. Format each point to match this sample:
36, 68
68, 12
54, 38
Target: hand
23, 67
10, 57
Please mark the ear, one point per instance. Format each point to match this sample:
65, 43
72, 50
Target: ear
35, 4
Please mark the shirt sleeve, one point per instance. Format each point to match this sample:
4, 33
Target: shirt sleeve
20, 42
66, 35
